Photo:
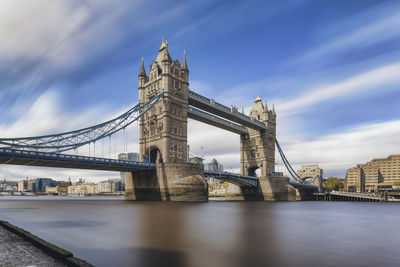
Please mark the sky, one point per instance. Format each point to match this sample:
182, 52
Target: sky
330, 68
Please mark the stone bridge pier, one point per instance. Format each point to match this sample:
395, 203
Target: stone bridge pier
171, 181
269, 189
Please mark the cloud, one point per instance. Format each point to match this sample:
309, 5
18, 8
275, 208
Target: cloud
337, 152
64, 43
386, 27
47, 115
370, 80
212, 142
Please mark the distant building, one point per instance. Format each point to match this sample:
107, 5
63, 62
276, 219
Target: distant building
111, 186
53, 190
23, 185
61, 188
196, 160
132, 156
313, 174
216, 187
64, 184
8, 186
376, 175
31, 186
214, 166
83, 189
42, 183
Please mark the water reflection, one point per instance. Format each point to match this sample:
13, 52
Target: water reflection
120, 233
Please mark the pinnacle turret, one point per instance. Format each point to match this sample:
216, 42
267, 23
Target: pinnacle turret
184, 64
163, 54
142, 72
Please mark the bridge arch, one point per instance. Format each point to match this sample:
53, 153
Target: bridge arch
254, 171
153, 154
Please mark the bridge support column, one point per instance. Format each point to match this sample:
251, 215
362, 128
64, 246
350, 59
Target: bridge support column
305, 194
269, 189
173, 181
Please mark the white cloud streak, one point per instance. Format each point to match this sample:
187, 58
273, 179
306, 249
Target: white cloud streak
367, 81
48, 116
369, 34
337, 152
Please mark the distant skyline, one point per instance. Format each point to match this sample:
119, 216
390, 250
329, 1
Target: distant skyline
330, 68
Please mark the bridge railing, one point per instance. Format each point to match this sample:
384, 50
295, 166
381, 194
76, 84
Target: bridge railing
239, 179
75, 158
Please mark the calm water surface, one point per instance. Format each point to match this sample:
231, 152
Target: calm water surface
119, 233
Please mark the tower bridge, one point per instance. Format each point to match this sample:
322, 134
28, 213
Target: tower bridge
164, 173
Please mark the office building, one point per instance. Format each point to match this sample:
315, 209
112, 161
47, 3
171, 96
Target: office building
375, 175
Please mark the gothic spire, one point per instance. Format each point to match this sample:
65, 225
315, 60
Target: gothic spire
163, 54
142, 72
184, 64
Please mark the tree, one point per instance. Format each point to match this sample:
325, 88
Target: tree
333, 183
397, 183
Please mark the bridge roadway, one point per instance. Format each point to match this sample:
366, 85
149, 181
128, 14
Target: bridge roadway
210, 105
45, 159
210, 119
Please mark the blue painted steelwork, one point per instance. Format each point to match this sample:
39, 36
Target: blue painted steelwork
47, 159
291, 171
62, 142
238, 179
313, 179
303, 185
223, 111
211, 119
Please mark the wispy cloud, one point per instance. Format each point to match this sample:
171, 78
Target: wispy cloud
337, 152
47, 115
370, 33
375, 79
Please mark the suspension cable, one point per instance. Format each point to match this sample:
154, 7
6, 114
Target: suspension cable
57, 143
290, 169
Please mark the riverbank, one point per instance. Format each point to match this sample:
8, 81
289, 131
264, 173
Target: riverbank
15, 251
21, 248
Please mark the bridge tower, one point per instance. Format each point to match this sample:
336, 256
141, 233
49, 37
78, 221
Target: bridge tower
163, 136
163, 129
257, 149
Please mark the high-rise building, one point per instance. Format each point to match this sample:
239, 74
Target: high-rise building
214, 166
375, 175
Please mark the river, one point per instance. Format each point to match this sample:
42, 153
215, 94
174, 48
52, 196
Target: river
114, 232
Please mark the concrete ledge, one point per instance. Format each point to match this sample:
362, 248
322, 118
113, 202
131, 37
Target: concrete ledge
54, 251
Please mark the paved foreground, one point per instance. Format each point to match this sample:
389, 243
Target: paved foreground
15, 251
